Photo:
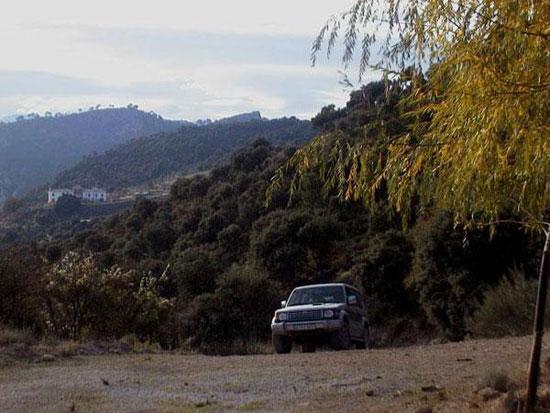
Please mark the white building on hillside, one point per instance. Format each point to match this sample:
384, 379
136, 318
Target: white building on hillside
55, 194
90, 195
94, 195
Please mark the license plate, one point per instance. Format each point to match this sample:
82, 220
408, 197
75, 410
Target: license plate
303, 327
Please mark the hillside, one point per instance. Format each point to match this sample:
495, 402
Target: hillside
185, 150
33, 151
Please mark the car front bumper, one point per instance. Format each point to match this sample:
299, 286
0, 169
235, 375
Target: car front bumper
294, 328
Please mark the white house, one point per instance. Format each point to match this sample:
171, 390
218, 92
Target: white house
90, 195
94, 195
55, 194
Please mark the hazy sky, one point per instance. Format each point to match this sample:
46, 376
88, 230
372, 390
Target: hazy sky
183, 59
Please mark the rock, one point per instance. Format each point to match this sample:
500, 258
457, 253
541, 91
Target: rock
47, 358
488, 394
430, 388
424, 409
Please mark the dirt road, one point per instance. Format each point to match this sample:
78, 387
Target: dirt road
389, 380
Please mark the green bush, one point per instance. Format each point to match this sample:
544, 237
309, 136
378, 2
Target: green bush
104, 303
507, 308
236, 316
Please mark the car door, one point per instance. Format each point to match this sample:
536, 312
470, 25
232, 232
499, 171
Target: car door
355, 313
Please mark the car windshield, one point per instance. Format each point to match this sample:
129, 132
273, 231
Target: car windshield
317, 295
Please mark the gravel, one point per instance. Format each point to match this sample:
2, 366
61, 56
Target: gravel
441, 377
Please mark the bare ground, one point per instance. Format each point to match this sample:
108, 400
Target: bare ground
443, 377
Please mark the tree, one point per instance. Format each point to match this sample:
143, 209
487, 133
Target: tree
478, 142
12, 205
67, 205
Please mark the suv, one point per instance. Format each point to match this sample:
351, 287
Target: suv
321, 313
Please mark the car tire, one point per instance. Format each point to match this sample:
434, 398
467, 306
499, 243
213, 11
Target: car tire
281, 344
365, 343
341, 339
308, 347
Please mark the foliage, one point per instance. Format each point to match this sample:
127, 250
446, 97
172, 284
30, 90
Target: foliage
67, 205
451, 269
31, 154
238, 311
186, 150
381, 272
228, 259
477, 142
79, 297
507, 309
20, 284
12, 205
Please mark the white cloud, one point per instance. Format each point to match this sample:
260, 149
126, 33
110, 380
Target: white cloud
182, 58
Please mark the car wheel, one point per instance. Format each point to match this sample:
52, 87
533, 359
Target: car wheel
340, 340
281, 344
361, 345
308, 347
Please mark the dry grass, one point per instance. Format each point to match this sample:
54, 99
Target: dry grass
10, 335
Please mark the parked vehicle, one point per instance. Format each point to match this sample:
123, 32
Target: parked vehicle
319, 314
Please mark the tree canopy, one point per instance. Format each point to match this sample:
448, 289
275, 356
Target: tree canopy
477, 140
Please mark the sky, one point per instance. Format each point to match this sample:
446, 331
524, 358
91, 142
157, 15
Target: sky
182, 59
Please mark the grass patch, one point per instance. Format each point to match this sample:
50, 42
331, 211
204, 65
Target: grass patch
497, 380
252, 406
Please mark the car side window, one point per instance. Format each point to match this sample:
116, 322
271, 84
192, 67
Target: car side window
350, 292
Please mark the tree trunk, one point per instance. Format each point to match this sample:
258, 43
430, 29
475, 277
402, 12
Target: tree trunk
534, 363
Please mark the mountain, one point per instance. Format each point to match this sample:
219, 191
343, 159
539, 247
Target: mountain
243, 117
188, 149
33, 150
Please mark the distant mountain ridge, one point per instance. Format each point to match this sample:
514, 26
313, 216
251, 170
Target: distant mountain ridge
186, 150
243, 117
34, 150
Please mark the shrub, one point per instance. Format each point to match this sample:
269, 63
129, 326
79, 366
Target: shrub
507, 308
10, 335
20, 284
106, 303
12, 205
235, 316
496, 380
67, 206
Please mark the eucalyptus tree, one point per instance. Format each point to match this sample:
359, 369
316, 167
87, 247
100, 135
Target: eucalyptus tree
477, 142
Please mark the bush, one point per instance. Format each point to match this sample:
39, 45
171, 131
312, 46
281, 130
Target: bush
507, 308
496, 380
10, 335
20, 286
67, 206
12, 205
79, 297
236, 316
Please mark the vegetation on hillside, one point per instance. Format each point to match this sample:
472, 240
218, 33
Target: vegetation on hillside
221, 260
478, 142
34, 150
188, 149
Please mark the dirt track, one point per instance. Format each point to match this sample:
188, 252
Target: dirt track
389, 380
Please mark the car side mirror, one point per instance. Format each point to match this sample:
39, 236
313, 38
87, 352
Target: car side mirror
352, 300
283, 304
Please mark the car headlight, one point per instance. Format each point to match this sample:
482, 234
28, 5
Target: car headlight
328, 314
282, 316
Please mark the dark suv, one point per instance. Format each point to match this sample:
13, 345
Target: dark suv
318, 314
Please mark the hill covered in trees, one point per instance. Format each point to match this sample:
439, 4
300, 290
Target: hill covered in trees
34, 149
208, 265
188, 149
